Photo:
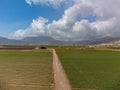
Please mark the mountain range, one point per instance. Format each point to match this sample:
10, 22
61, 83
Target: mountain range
43, 40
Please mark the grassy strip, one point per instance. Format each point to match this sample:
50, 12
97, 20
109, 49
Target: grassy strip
91, 69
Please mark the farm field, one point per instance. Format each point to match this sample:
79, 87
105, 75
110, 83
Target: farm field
91, 69
25, 70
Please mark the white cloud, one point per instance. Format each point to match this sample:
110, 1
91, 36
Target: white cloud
19, 33
54, 3
74, 24
28, 2
37, 27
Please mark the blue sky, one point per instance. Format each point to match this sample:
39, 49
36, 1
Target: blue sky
17, 14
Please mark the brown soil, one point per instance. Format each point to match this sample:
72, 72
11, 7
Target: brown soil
60, 79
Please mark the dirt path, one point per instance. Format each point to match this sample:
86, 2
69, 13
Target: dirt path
60, 79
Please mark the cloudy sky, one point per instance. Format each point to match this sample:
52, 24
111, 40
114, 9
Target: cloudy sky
60, 19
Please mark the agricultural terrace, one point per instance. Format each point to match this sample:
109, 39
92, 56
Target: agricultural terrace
91, 69
25, 70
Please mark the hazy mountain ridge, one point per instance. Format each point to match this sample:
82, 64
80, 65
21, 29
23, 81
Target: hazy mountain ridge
51, 41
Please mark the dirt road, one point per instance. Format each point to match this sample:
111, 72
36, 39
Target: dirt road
60, 79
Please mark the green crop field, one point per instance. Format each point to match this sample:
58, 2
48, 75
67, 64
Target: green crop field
25, 70
91, 69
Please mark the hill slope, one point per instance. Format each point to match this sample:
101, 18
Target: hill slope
51, 41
